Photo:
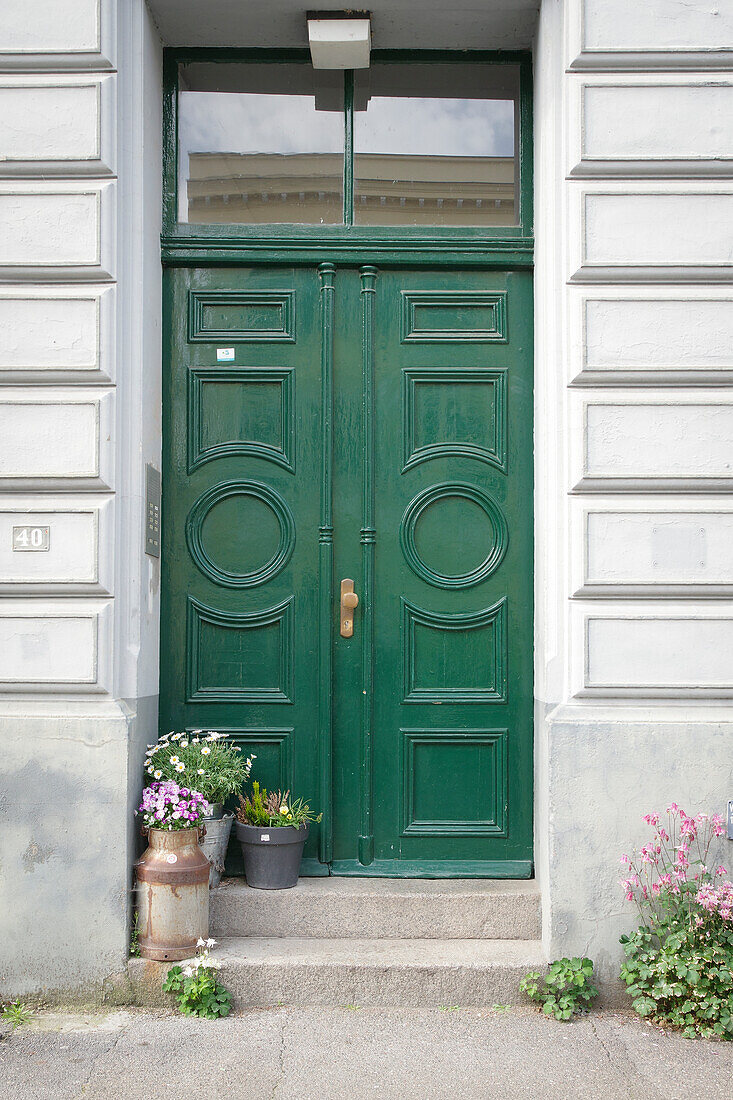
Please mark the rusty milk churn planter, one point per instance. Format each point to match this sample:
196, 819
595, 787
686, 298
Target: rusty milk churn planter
172, 874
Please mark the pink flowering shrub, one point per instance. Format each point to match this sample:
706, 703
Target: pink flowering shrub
679, 962
168, 806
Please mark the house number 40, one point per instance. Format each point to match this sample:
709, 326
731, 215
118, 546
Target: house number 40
31, 538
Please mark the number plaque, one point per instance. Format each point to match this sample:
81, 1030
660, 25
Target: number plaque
31, 538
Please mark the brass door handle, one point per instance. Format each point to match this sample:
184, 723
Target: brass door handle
349, 600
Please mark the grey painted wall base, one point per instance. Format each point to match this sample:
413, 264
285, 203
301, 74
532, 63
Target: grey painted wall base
603, 772
68, 844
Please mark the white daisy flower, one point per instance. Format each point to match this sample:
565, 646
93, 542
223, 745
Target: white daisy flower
180, 767
204, 752
174, 760
184, 744
157, 773
200, 771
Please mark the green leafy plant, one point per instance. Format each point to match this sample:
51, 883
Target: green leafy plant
135, 937
197, 987
274, 810
201, 760
565, 991
679, 963
686, 980
16, 1014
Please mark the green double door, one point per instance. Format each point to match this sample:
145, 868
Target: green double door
329, 424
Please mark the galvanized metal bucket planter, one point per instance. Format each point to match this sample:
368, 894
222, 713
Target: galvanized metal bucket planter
271, 855
173, 894
215, 843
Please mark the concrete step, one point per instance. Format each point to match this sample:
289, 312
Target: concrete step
360, 908
262, 972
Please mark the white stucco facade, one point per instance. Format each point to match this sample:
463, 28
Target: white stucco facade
633, 189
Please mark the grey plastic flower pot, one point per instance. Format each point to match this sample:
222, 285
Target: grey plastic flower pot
271, 855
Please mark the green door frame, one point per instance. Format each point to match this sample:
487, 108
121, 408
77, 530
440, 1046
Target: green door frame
184, 245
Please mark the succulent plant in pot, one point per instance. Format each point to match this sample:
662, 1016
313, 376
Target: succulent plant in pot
272, 830
207, 761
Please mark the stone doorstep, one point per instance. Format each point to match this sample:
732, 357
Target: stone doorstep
270, 971
363, 908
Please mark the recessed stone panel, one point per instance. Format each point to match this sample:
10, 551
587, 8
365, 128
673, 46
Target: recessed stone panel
641, 122
659, 548
57, 439
658, 441
57, 646
658, 334
52, 26
71, 554
659, 653
50, 122
44, 331
656, 25
662, 229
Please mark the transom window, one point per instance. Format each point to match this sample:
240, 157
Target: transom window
399, 144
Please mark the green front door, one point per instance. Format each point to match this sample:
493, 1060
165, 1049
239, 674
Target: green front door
332, 422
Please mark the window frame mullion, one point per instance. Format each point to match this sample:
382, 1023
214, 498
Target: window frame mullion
348, 147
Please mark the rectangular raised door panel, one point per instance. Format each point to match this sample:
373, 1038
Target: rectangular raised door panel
241, 411
456, 412
254, 316
449, 808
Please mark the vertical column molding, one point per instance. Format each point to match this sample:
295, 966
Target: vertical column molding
326, 275
368, 277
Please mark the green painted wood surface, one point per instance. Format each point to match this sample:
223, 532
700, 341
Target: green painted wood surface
379, 419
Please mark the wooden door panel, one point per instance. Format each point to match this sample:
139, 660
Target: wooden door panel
243, 451
442, 769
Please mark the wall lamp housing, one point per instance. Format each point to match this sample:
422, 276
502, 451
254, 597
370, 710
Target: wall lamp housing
339, 40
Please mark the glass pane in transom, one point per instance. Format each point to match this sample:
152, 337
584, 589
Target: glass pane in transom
435, 144
260, 143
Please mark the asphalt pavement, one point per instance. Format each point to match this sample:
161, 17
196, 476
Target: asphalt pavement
352, 1052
